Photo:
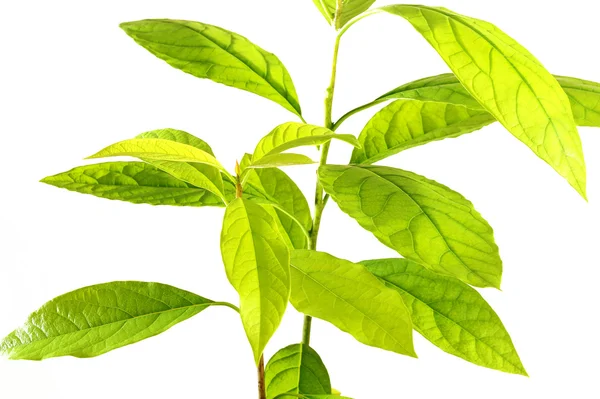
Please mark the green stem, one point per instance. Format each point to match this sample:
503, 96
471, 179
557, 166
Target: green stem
320, 199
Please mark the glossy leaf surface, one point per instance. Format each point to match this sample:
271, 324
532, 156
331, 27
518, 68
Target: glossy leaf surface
508, 81
136, 182
420, 218
207, 51
348, 296
450, 314
405, 124
93, 320
257, 263
293, 134
296, 369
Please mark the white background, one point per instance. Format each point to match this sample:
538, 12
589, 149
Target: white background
71, 82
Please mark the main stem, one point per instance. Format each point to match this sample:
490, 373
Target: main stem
320, 199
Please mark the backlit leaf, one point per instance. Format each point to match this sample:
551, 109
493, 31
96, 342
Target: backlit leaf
450, 314
405, 124
257, 262
349, 9
207, 51
296, 369
508, 81
348, 296
93, 320
421, 219
135, 182
282, 159
293, 134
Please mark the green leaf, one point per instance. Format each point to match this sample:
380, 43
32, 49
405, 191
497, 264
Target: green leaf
348, 10
348, 296
405, 124
421, 219
257, 263
136, 182
283, 159
584, 95
294, 134
178, 136
508, 81
296, 369
93, 320
160, 150
450, 314
276, 186
207, 51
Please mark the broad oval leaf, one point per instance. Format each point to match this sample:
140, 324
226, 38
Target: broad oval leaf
200, 175
405, 124
296, 369
207, 51
294, 134
508, 81
281, 159
257, 263
450, 314
93, 320
160, 150
348, 10
348, 296
276, 186
136, 182
421, 219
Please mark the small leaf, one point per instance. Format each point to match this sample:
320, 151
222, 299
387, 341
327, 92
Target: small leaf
450, 314
207, 51
405, 124
584, 96
296, 369
257, 263
277, 160
93, 320
276, 186
348, 10
136, 182
351, 298
507, 81
178, 136
160, 150
293, 134
421, 219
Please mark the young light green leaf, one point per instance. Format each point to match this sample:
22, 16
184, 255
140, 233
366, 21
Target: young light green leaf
294, 134
93, 320
276, 186
421, 219
351, 298
200, 175
339, 12
207, 51
160, 150
508, 81
296, 369
136, 182
257, 262
282, 159
450, 314
405, 124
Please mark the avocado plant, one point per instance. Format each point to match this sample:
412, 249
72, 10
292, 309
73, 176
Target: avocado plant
269, 233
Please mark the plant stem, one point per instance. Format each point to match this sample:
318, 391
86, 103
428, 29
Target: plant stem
262, 394
320, 200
